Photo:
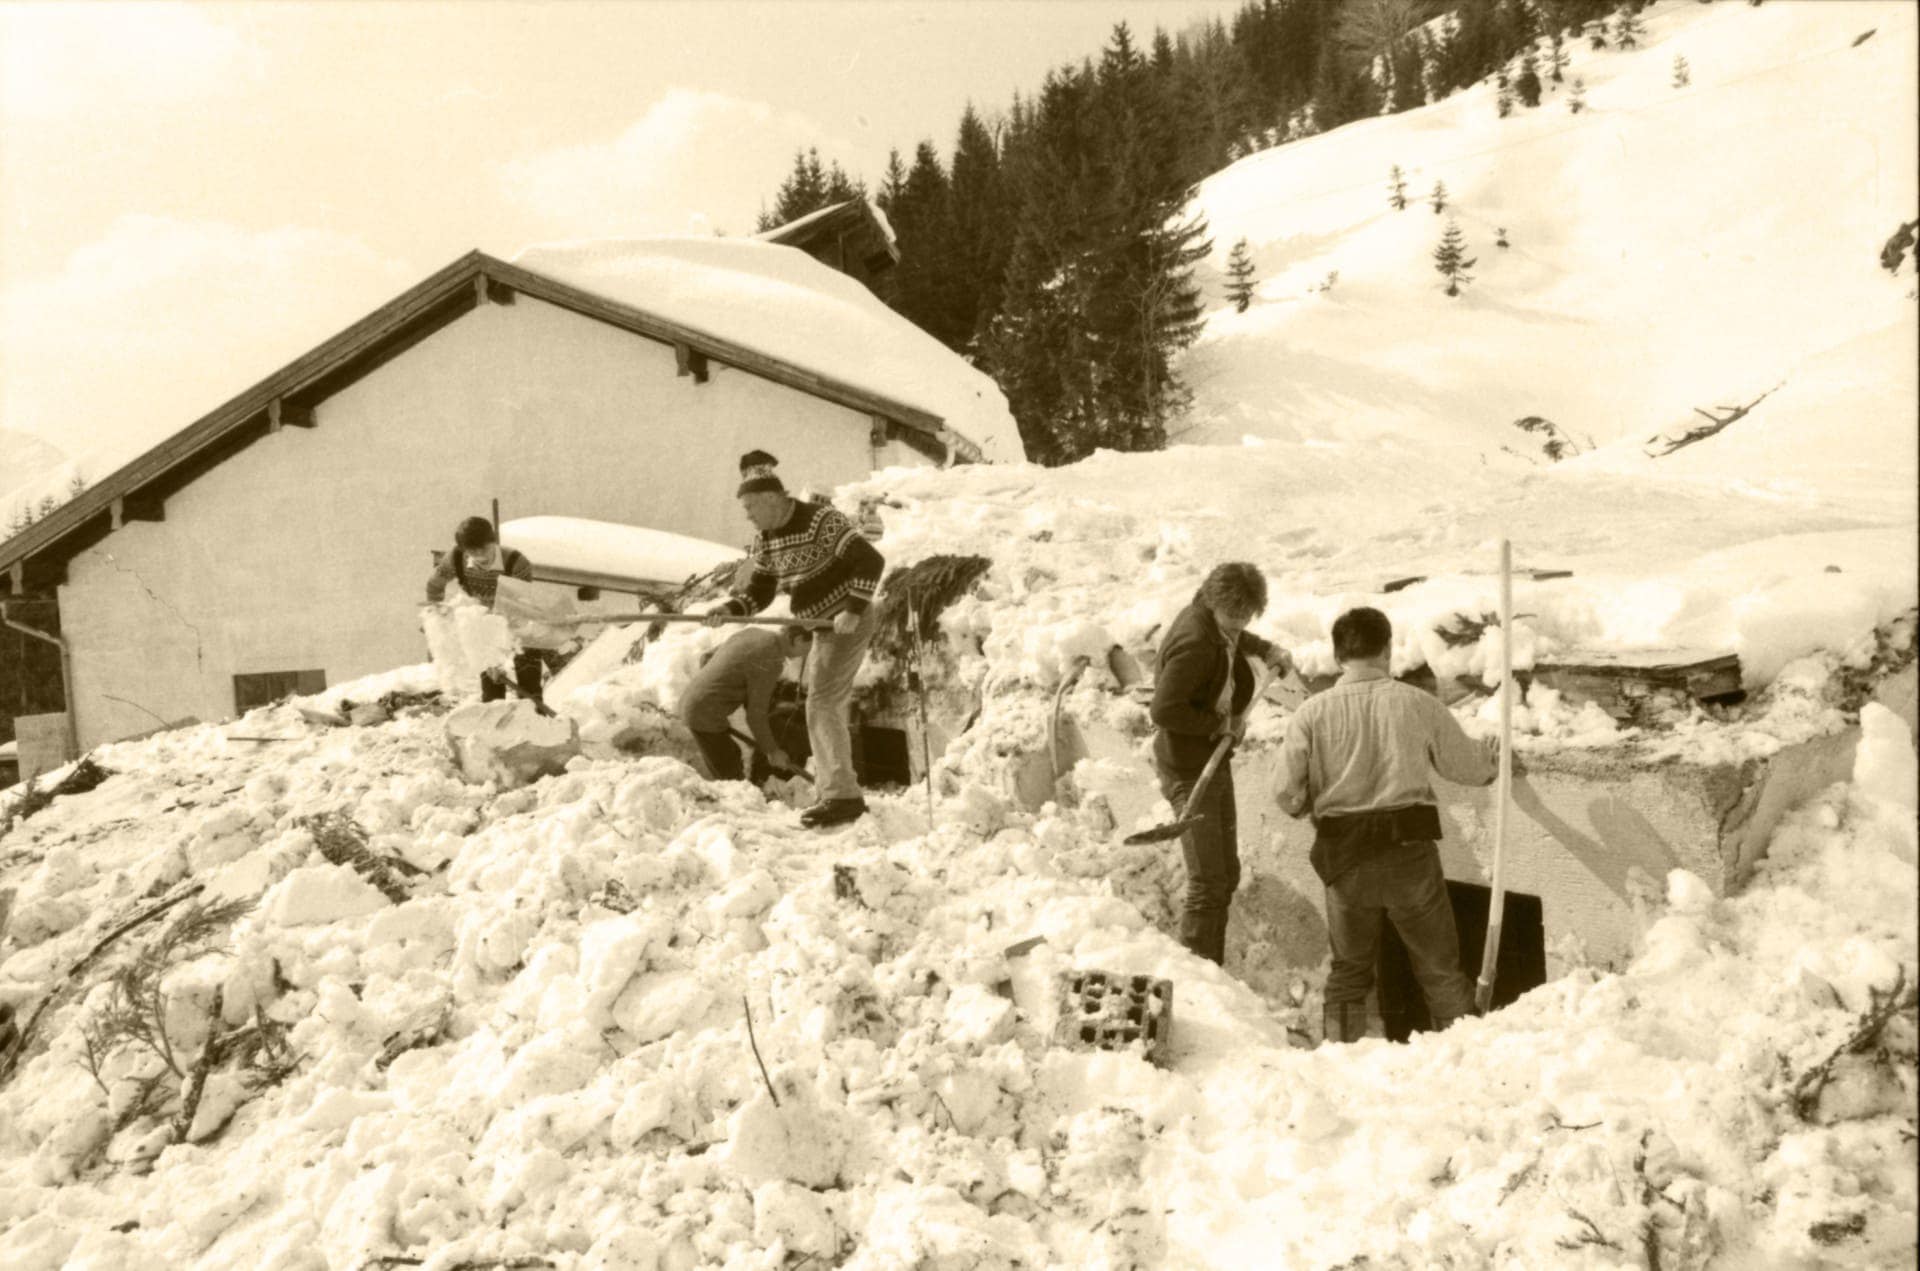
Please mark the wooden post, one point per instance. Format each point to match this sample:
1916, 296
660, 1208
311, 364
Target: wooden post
496, 518
1496, 909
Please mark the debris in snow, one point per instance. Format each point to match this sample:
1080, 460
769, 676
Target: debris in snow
510, 742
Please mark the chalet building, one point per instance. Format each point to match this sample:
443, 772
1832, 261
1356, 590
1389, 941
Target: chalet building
851, 237
282, 541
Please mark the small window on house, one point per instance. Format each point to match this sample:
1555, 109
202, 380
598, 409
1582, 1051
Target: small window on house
263, 688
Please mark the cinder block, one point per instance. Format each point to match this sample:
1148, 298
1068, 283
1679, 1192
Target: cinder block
1100, 1010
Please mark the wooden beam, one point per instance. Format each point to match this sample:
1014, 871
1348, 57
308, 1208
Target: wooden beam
480, 296
879, 428
690, 361
137, 507
17, 576
282, 413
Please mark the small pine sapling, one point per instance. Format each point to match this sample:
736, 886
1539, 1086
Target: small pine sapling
1240, 277
1451, 260
1597, 35
1577, 99
1557, 59
1397, 189
1682, 73
1500, 237
1503, 101
1439, 197
1626, 28
1527, 83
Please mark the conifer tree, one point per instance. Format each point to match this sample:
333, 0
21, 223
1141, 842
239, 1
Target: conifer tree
77, 486
1682, 73
1503, 101
1626, 28
1597, 35
1557, 59
1451, 260
48, 505
1397, 189
1526, 85
1577, 99
1500, 237
1240, 277
1439, 197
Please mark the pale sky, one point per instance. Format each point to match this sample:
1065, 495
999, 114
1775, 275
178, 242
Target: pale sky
193, 194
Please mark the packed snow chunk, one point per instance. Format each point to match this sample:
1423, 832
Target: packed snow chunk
977, 1016
1885, 767
1688, 893
659, 1005
552, 1063
796, 1216
318, 894
40, 1243
799, 1140
612, 952
464, 639
934, 1226
510, 742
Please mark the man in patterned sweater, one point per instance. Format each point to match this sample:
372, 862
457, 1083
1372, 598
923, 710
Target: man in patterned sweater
828, 570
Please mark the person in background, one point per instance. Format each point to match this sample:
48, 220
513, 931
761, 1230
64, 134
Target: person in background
476, 563
742, 672
814, 554
1201, 692
1359, 759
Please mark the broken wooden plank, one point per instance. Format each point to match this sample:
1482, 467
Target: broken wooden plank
1630, 684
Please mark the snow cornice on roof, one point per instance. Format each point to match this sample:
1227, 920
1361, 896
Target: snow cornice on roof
35, 559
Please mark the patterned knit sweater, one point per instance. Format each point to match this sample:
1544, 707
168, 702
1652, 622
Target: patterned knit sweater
818, 558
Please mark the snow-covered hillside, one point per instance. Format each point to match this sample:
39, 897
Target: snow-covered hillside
1671, 248
533, 1033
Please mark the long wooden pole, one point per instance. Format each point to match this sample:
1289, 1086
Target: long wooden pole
1496, 909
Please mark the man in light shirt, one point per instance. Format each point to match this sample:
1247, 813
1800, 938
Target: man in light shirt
1359, 759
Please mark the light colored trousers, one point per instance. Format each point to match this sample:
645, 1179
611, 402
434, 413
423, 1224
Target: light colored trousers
831, 666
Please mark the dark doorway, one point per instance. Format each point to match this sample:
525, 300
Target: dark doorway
880, 756
1522, 965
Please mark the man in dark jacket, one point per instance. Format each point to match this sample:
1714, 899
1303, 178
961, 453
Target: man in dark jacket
476, 563
828, 570
1202, 688
1359, 759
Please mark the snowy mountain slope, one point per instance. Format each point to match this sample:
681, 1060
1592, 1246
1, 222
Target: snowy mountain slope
26, 465
1671, 247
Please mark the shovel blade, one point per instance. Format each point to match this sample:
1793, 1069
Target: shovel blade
1161, 833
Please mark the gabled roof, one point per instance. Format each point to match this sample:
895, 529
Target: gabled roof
36, 557
856, 221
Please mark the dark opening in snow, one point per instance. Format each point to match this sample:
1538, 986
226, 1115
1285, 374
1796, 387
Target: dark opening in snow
880, 756
1522, 965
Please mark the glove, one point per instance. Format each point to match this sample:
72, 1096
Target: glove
717, 617
846, 622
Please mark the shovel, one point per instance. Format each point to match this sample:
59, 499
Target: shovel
1186, 821
1174, 829
778, 771
517, 600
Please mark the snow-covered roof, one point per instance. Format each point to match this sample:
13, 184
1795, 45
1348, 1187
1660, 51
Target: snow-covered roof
571, 545
798, 230
781, 302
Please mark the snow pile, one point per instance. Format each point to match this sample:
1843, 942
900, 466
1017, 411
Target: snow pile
464, 639
781, 302
543, 1050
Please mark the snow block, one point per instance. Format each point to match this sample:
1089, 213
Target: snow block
1100, 1010
510, 742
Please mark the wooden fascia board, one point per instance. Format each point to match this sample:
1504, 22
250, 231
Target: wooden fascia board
666, 331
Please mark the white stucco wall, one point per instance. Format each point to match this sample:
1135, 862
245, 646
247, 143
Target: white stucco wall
310, 548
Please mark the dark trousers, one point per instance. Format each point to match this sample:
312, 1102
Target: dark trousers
722, 755
1212, 851
528, 664
1402, 884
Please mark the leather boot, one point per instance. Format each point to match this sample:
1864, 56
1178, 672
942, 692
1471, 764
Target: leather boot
1343, 1022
